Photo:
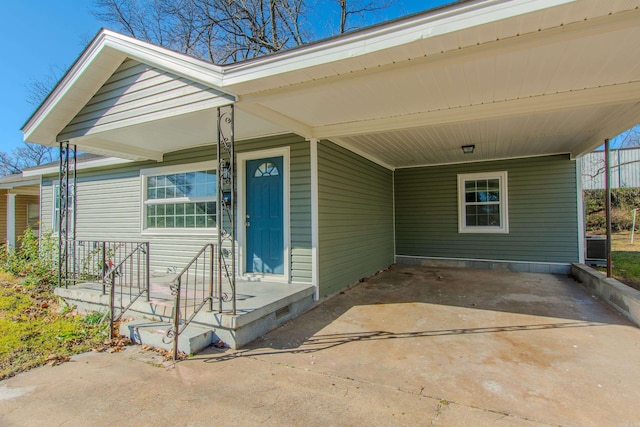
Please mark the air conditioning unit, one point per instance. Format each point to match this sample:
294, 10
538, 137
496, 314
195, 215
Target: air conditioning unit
596, 250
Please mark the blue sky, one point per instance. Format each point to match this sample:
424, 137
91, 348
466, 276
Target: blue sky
34, 36
37, 35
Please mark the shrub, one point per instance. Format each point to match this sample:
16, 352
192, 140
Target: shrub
35, 259
623, 202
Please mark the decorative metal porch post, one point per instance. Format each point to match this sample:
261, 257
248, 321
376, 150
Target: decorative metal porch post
66, 199
225, 206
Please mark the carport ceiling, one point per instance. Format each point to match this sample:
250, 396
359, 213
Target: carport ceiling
558, 80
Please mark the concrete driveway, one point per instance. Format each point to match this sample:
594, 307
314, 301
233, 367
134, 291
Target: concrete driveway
410, 346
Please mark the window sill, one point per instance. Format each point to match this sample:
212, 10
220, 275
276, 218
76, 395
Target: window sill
203, 232
483, 230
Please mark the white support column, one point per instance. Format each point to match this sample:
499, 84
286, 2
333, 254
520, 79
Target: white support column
315, 256
11, 219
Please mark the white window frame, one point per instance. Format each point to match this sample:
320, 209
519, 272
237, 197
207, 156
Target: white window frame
167, 170
54, 216
504, 203
36, 206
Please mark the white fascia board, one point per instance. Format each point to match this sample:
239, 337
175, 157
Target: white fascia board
198, 70
108, 161
449, 20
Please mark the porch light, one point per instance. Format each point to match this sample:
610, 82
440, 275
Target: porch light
468, 149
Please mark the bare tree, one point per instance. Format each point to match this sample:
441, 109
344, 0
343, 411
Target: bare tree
224, 31
627, 139
357, 8
39, 88
218, 30
630, 138
26, 156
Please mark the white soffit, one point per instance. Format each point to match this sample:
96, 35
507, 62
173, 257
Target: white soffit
150, 140
500, 138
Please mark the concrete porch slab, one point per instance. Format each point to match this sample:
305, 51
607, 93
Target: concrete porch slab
260, 307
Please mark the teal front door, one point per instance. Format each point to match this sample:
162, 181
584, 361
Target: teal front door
264, 217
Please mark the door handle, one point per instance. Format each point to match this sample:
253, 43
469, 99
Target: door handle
247, 224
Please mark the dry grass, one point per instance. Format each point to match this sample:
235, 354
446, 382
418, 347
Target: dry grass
33, 330
621, 242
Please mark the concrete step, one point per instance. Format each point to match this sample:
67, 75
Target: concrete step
261, 307
147, 332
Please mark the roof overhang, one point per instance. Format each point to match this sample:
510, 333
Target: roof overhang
49, 169
515, 78
18, 184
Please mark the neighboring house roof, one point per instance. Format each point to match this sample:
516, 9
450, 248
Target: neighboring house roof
17, 180
83, 161
515, 78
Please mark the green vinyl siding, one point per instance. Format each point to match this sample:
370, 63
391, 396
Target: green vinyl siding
542, 206
109, 206
355, 217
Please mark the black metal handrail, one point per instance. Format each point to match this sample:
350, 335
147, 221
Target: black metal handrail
128, 280
193, 288
90, 260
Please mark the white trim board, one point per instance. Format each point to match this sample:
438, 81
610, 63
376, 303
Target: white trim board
503, 203
498, 159
241, 159
315, 245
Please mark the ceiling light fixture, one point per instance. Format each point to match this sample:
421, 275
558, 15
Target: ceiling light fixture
468, 149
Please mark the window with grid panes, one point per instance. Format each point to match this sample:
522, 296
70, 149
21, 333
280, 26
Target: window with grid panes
182, 200
482, 203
